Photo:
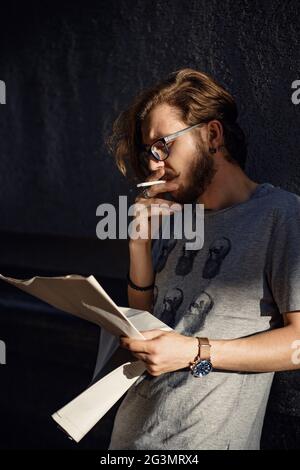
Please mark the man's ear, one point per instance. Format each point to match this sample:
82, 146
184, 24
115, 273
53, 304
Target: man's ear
215, 132
211, 137
212, 134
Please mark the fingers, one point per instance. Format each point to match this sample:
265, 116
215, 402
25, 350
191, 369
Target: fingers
157, 174
147, 207
150, 334
162, 188
152, 191
135, 346
144, 346
141, 357
157, 202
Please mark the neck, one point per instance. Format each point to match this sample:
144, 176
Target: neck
230, 185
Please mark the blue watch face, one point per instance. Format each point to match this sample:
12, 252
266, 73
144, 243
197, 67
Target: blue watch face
202, 368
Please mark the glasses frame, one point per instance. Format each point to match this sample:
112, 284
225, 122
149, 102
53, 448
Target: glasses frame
165, 140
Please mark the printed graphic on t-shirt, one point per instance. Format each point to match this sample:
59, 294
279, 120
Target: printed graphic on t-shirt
194, 318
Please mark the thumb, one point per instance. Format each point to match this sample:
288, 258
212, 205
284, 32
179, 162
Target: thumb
151, 334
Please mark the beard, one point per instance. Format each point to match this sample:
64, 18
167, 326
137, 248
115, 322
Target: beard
199, 177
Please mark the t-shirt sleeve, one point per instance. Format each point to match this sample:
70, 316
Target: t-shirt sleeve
284, 262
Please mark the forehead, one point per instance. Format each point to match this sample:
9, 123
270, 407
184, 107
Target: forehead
162, 120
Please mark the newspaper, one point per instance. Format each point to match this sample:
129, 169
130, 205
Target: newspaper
85, 298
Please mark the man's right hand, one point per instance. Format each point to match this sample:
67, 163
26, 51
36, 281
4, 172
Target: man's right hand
142, 218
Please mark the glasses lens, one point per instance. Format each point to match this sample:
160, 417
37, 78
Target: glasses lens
160, 150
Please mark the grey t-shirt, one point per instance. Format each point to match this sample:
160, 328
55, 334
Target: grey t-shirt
239, 283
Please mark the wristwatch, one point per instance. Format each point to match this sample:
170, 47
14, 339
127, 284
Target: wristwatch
202, 365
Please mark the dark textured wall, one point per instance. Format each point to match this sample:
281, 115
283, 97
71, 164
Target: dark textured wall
69, 70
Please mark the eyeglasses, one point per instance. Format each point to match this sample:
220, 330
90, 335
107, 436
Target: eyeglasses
159, 149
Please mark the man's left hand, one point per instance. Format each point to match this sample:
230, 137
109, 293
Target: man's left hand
162, 351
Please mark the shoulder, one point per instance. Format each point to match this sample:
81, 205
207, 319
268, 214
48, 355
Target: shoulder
280, 203
286, 204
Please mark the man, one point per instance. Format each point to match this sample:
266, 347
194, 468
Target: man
239, 293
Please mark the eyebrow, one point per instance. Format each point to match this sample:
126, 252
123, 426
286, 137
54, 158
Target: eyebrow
155, 138
152, 142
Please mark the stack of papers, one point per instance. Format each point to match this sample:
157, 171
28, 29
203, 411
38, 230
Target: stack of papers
85, 298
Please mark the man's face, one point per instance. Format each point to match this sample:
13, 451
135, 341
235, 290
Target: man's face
189, 163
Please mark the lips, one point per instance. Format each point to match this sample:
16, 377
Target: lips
169, 177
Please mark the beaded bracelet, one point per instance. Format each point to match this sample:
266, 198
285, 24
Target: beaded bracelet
134, 286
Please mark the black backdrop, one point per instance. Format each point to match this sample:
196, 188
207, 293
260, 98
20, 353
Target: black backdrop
69, 68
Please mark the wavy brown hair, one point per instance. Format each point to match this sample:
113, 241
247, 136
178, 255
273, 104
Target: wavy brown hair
197, 97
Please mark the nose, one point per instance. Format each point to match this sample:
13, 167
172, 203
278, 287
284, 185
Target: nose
155, 164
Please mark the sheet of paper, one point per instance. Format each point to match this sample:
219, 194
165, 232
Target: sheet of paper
81, 414
76, 294
109, 343
85, 298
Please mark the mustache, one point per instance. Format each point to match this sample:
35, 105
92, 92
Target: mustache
170, 175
